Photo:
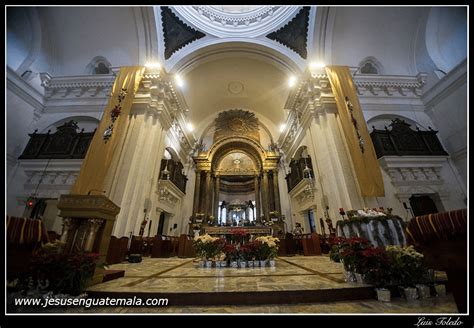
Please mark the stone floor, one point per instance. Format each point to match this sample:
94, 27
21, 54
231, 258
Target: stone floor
434, 305
298, 274
184, 275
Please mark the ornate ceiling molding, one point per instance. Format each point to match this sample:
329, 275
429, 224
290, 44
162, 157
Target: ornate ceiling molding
236, 122
294, 35
222, 24
176, 33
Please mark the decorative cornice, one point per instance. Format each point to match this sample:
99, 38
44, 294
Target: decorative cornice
390, 85
157, 93
88, 85
25, 91
448, 84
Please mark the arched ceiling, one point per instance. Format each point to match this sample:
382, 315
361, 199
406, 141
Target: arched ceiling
235, 81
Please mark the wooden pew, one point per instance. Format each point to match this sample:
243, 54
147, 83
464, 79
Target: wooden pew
442, 238
161, 247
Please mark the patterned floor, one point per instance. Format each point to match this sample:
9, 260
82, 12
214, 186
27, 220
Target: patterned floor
291, 273
184, 275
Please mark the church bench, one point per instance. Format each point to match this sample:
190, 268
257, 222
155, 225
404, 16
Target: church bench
442, 238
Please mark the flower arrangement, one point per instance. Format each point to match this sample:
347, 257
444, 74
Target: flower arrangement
267, 247
63, 273
239, 235
249, 250
231, 252
349, 250
408, 268
208, 247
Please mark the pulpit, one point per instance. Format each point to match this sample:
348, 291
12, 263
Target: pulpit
87, 226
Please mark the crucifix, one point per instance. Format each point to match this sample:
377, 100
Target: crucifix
350, 108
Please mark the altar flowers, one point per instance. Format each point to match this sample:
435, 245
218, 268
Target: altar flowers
208, 247
267, 248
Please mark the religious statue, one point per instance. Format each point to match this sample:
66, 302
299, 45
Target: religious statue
350, 108
142, 226
332, 230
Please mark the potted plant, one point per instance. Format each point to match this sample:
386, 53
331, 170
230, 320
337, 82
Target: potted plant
267, 250
379, 272
408, 269
231, 254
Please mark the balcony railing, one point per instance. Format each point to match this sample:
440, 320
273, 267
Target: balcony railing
174, 173
401, 140
65, 143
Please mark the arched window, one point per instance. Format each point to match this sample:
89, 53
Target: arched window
369, 68
101, 68
370, 65
98, 65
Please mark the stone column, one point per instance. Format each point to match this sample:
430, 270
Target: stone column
276, 192
207, 193
94, 226
68, 224
197, 188
217, 188
257, 198
265, 198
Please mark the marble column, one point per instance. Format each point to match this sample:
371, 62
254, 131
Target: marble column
207, 193
217, 188
68, 224
257, 198
197, 189
94, 226
265, 194
276, 191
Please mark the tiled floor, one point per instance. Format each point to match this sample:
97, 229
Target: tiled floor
397, 305
290, 274
184, 275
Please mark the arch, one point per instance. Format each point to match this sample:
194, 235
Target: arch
226, 153
248, 146
172, 153
98, 63
211, 124
370, 65
446, 37
208, 49
301, 152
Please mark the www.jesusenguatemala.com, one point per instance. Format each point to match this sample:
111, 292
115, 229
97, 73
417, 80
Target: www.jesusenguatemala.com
90, 302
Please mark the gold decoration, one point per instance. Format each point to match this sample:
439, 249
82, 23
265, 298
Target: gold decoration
236, 122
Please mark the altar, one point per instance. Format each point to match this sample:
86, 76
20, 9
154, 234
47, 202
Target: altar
231, 230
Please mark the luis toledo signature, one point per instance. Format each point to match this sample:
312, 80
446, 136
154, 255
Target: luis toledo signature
441, 321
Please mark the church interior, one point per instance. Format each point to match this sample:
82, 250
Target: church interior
237, 159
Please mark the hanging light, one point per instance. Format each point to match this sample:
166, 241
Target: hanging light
165, 174
308, 176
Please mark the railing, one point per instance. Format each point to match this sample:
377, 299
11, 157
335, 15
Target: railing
401, 140
297, 171
63, 144
175, 173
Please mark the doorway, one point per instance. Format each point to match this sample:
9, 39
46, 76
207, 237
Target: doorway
312, 222
161, 223
422, 205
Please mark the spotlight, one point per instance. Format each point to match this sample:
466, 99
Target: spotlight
282, 127
291, 81
153, 65
179, 81
190, 127
316, 65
